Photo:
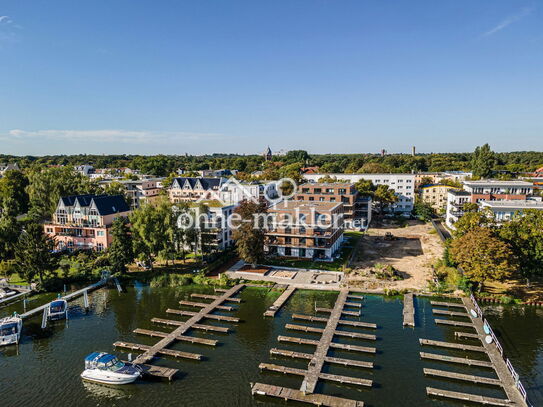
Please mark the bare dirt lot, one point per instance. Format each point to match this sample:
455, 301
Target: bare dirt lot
412, 252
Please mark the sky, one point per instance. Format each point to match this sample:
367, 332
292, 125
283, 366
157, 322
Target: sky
233, 76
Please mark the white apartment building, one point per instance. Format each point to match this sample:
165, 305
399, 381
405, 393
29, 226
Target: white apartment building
456, 199
505, 210
402, 184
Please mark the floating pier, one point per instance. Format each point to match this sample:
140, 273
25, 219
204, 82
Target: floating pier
452, 345
474, 398
202, 327
453, 323
448, 304
208, 316
467, 335
462, 377
328, 359
341, 321
317, 359
408, 310
452, 359
279, 302
449, 313
296, 395
203, 304
182, 338
215, 297
149, 352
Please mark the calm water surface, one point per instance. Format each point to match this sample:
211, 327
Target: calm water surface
44, 370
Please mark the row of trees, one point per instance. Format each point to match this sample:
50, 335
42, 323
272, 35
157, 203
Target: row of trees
489, 251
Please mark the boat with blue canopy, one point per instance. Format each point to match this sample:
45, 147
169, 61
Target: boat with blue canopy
101, 367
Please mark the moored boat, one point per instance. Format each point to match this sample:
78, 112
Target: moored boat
58, 309
101, 367
10, 330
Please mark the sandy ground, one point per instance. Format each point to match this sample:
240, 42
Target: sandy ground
412, 254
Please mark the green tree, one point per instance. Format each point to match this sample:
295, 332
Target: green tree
12, 187
483, 161
373, 168
483, 256
384, 196
423, 211
297, 156
9, 229
524, 233
121, 251
473, 220
365, 187
249, 231
34, 253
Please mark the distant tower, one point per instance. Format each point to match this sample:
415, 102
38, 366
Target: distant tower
383, 152
413, 151
267, 154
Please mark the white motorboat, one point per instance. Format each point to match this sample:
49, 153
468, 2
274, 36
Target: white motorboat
10, 330
58, 309
101, 367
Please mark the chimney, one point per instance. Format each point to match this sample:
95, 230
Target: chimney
413, 151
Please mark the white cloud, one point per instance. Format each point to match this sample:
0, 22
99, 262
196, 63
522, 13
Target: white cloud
5, 19
106, 136
526, 11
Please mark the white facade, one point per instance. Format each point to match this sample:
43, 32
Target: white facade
455, 202
498, 187
505, 210
402, 184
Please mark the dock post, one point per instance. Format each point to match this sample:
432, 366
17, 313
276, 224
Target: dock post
86, 300
44, 318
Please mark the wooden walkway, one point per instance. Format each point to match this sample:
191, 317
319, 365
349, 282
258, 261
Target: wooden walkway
204, 304
462, 377
474, 398
449, 313
161, 345
323, 376
452, 345
327, 359
508, 382
182, 338
296, 395
210, 328
67, 297
408, 310
453, 323
337, 333
448, 304
341, 321
279, 302
452, 359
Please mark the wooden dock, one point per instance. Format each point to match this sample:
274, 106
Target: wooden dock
337, 333
323, 376
340, 322
355, 297
208, 316
473, 398
448, 304
205, 312
452, 345
67, 297
343, 312
279, 302
215, 297
452, 359
182, 338
327, 359
408, 310
163, 351
204, 304
453, 323
462, 377
467, 335
201, 327
449, 313
296, 395
505, 376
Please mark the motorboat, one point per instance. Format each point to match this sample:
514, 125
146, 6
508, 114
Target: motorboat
10, 330
6, 292
58, 309
105, 368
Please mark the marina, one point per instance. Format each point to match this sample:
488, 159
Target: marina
137, 319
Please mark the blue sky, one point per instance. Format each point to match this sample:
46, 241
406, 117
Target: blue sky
209, 76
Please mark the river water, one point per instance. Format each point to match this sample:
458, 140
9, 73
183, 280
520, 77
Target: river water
44, 369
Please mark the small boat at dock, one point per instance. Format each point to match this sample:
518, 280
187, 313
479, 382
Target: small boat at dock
58, 309
105, 368
10, 330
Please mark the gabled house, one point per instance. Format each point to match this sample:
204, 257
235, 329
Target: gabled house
83, 222
190, 189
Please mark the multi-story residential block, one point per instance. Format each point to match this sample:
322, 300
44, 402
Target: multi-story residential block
485, 191
356, 208
215, 233
139, 191
402, 184
505, 210
435, 195
190, 189
83, 222
312, 230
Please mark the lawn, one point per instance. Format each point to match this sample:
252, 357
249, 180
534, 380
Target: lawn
351, 240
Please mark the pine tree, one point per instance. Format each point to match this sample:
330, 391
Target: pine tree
483, 161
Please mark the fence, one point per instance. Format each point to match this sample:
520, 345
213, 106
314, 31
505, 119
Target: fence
512, 370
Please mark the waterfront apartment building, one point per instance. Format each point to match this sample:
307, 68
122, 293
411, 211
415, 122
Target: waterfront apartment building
505, 210
402, 184
356, 208
303, 229
435, 195
485, 191
140, 191
191, 189
83, 222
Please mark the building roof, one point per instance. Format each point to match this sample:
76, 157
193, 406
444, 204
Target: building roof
514, 204
326, 184
497, 182
437, 185
207, 183
304, 205
459, 192
105, 204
